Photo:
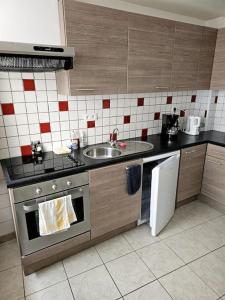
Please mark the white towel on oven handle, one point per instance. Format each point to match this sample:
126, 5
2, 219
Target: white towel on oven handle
56, 215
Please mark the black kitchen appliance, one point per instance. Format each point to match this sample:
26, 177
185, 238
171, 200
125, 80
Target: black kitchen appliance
170, 126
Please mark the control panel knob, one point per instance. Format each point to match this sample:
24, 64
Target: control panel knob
54, 187
38, 191
69, 183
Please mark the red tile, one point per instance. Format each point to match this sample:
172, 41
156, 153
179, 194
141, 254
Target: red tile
216, 100
90, 124
182, 113
205, 114
144, 132
28, 84
126, 119
140, 101
169, 100
8, 109
26, 150
45, 127
157, 116
105, 103
193, 98
63, 106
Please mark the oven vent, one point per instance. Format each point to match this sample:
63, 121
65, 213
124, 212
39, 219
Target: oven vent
18, 57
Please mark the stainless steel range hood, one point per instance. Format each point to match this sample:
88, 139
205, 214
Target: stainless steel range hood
20, 57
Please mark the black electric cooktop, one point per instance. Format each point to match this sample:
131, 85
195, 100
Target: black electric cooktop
23, 167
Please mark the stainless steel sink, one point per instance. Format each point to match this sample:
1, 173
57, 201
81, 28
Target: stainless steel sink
105, 151
100, 152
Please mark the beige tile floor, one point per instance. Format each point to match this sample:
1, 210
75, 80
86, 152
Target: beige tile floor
186, 261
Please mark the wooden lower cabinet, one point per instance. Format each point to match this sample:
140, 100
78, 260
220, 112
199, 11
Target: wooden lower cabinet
213, 185
191, 172
111, 206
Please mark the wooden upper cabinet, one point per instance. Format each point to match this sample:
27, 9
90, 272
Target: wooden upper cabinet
206, 58
150, 49
186, 55
218, 74
99, 36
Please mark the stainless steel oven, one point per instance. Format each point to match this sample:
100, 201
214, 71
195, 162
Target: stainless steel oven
25, 202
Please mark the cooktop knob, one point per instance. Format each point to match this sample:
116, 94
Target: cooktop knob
69, 183
38, 191
54, 187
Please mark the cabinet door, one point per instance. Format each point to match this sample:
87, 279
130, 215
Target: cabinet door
213, 185
218, 74
186, 54
150, 48
111, 206
99, 36
206, 58
191, 171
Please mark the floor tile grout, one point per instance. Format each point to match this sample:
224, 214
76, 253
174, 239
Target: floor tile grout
68, 280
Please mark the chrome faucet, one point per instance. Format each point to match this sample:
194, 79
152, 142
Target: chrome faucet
113, 137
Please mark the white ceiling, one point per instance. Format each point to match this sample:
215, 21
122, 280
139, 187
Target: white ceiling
200, 9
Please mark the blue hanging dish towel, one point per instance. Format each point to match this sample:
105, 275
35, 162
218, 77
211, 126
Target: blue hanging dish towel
133, 179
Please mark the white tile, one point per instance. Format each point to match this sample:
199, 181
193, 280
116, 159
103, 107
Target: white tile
58, 291
113, 248
13, 141
9, 255
187, 246
42, 107
4, 75
31, 108
30, 96
129, 273
27, 75
11, 131
46, 137
23, 129
94, 285
51, 85
5, 85
44, 278
18, 97
153, 291
16, 85
21, 119
39, 75
52, 96
43, 117
53, 106
14, 151
32, 118
184, 284
5, 97
211, 269
160, 259
140, 237
41, 96
24, 140
54, 116
81, 262
11, 284
20, 108
40, 85
209, 236
34, 128
50, 75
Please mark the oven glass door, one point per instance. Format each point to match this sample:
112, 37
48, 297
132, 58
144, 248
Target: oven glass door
28, 220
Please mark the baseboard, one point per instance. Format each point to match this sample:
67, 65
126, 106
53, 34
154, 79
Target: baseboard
186, 201
7, 237
211, 202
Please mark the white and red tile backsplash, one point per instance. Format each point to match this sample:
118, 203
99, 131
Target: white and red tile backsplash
31, 109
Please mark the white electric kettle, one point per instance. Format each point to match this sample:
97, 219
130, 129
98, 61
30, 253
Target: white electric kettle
193, 125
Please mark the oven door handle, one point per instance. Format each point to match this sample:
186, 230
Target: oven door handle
30, 208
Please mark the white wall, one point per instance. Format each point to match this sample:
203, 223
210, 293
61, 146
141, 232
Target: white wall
29, 21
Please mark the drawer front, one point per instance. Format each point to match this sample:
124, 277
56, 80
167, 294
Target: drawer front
216, 151
213, 184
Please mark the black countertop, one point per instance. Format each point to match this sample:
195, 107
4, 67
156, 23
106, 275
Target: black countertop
21, 171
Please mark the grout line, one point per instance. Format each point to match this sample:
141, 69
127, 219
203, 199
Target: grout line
68, 280
108, 272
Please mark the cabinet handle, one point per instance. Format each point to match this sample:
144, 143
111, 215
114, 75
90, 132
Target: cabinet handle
84, 90
162, 87
190, 152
